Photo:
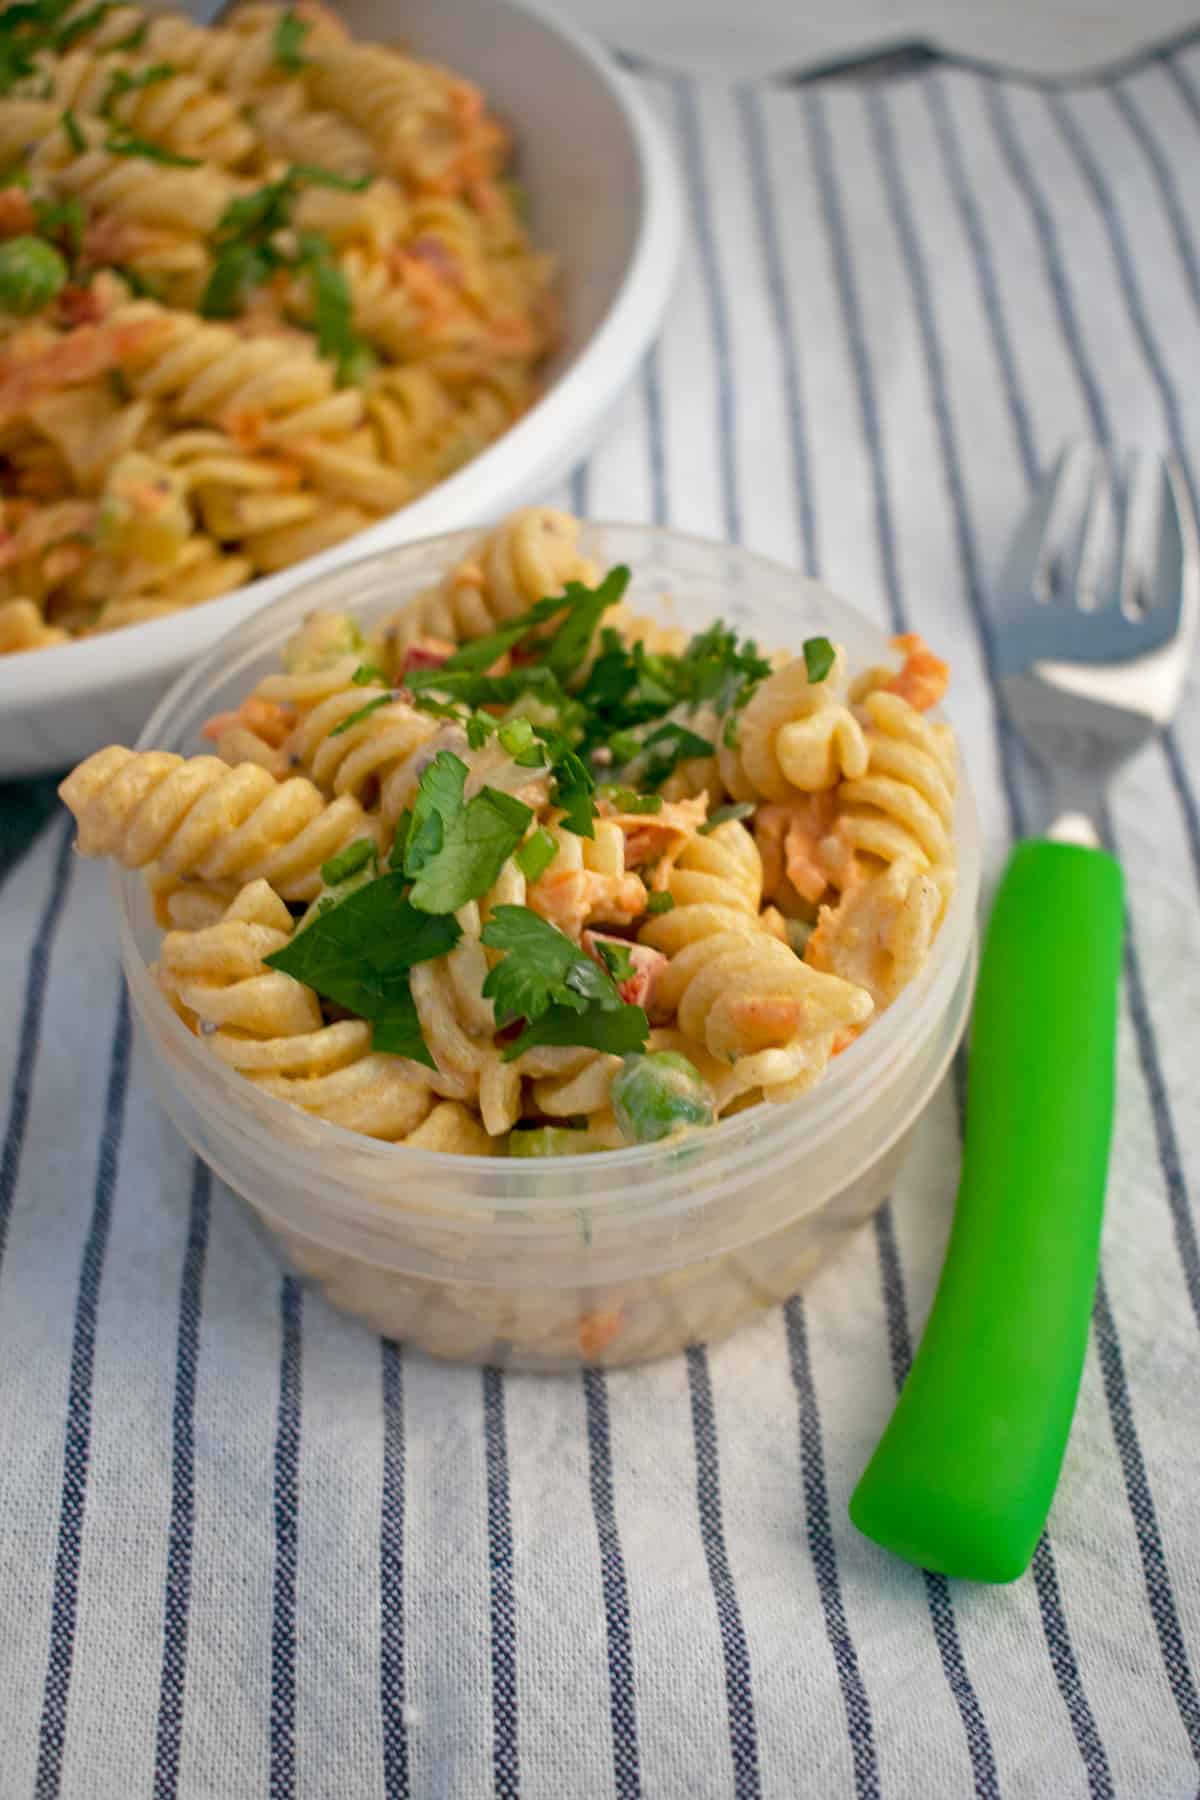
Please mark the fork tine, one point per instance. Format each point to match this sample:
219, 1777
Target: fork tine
1162, 577
1094, 573
1026, 552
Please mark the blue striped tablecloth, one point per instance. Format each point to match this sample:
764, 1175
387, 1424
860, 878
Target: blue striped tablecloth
246, 1549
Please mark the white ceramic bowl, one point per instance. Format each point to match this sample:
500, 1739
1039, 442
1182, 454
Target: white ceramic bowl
605, 199
612, 1258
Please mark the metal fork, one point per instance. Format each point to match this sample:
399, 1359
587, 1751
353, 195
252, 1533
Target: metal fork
1097, 610
1098, 606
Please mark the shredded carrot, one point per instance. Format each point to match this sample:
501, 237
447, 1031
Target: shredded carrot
16, 212
90, 351
270, 720
597, 1331
924, 677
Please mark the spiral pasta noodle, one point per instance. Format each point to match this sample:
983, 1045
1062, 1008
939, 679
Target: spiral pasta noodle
196, 816
534, 553
180, 111
793, 736
269, 1027
902, 804
880, 933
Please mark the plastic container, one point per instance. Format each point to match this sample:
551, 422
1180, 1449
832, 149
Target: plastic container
608, 1258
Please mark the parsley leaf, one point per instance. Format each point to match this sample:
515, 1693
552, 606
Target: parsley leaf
668, 746
535, 857
363, 712
439, 801
400, 840
741, 809
328, 178
80, 26
367, 675
627, 800
64, 220
477, 842
573, 788
472, 689
333, 309
543, 967
720, 669
290, 34
125, 143
660, 903
572, 640
615, 1033
399, 1032
616, 957
482, 652
819, 657
121, 82
236, 272
455, 848
74, 132
359, 952
348, 862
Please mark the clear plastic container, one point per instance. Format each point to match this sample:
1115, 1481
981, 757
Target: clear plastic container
605, 1258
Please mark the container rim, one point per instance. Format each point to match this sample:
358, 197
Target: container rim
829, 1106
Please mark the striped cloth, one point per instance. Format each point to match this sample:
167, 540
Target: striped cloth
247, 1549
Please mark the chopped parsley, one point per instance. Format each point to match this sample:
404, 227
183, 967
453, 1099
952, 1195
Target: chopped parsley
125, 143
819, 657
135, 39
247, 252
560, 656
535, 857
628, 686
121, 82
456, 848
669, 745
348, 862
80, 26
614, 1033
563, 995
617, 958
740, 809
359, 953
74, 132
628, 800
290, 34
363, 712
572, 641
333, 309
63, 221
517, 736
573, 787
660, 903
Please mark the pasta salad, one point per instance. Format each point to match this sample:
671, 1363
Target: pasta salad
525, 874
261, 284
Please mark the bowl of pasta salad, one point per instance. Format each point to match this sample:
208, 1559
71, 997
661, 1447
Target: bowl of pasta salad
553, 935
281, 290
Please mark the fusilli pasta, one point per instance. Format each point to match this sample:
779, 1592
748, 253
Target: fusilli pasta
512, 941
282, 265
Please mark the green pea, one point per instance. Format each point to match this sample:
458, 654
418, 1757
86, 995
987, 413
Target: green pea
655, 1095
31, 273
546, 1140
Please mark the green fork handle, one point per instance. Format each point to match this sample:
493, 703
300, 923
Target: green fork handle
963, 1477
